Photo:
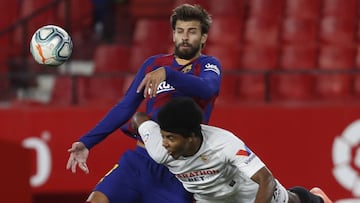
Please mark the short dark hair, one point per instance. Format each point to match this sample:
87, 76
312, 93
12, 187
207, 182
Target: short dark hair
187, 12
181, 115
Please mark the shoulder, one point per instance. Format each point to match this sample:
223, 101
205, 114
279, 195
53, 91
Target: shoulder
208, 59
156, 61
209, 63
161, 59
219, 137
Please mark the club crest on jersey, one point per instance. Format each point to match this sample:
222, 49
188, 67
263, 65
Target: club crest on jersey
204, 158
187, 68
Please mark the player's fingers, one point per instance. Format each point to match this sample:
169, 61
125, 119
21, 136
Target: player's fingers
70, 160
148, 88
71, 150
84, 167
141, 86
68, 164
73, 166
154, 88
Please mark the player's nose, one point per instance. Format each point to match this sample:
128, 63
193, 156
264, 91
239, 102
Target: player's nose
165, 144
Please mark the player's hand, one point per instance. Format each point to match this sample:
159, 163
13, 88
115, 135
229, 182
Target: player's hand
78, 156
151, 82
138, 119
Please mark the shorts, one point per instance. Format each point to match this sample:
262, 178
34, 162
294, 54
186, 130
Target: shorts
139, 179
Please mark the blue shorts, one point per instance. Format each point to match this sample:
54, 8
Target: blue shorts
139, 179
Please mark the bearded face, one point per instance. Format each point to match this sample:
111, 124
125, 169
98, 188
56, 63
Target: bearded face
188, 39
185, 50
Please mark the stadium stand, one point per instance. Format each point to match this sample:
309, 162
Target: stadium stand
226, 31
303, 9
227, 8
299, 30
229, 56
243, 32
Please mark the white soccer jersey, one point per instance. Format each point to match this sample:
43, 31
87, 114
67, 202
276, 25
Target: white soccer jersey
220, 170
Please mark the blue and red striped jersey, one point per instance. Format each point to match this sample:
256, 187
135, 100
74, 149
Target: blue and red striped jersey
199, 79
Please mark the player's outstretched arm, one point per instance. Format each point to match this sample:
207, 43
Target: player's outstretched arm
78, 156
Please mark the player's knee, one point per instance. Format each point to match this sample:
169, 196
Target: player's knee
97, 197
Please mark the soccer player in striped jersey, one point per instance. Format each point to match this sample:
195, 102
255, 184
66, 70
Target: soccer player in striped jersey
136, 177
211, 162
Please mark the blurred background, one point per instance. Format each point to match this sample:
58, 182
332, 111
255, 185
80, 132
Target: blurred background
291, 86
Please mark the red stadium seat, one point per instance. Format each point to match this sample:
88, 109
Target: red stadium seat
252, 87
298, 57
113, 62
337, 57
228, 89
228, 56
259, 57
227, 8
304, 9
226, 30
202, 3
336, 30
299, 30
62, 91
81, 13
150, 8
357, 57
333, 86
266, 8
111, 58
340, 8
104, 89
263, 31
356, 85
152, 32
292, 87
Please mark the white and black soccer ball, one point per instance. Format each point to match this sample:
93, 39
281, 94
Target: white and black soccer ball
51, 45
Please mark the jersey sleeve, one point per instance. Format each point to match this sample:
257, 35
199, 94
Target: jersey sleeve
204, 85
150, 134
243, 158
119, 114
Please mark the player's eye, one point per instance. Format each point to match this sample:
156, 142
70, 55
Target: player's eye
179, 31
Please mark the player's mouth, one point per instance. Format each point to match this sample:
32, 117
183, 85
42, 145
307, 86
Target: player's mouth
185, 45
173, 154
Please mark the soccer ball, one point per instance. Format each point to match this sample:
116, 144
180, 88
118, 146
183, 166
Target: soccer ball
51, 45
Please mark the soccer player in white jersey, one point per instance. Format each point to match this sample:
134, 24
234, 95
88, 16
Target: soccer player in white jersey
211, 162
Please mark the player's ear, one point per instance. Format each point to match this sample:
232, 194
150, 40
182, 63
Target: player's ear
192, 137
173, 36
204, 38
